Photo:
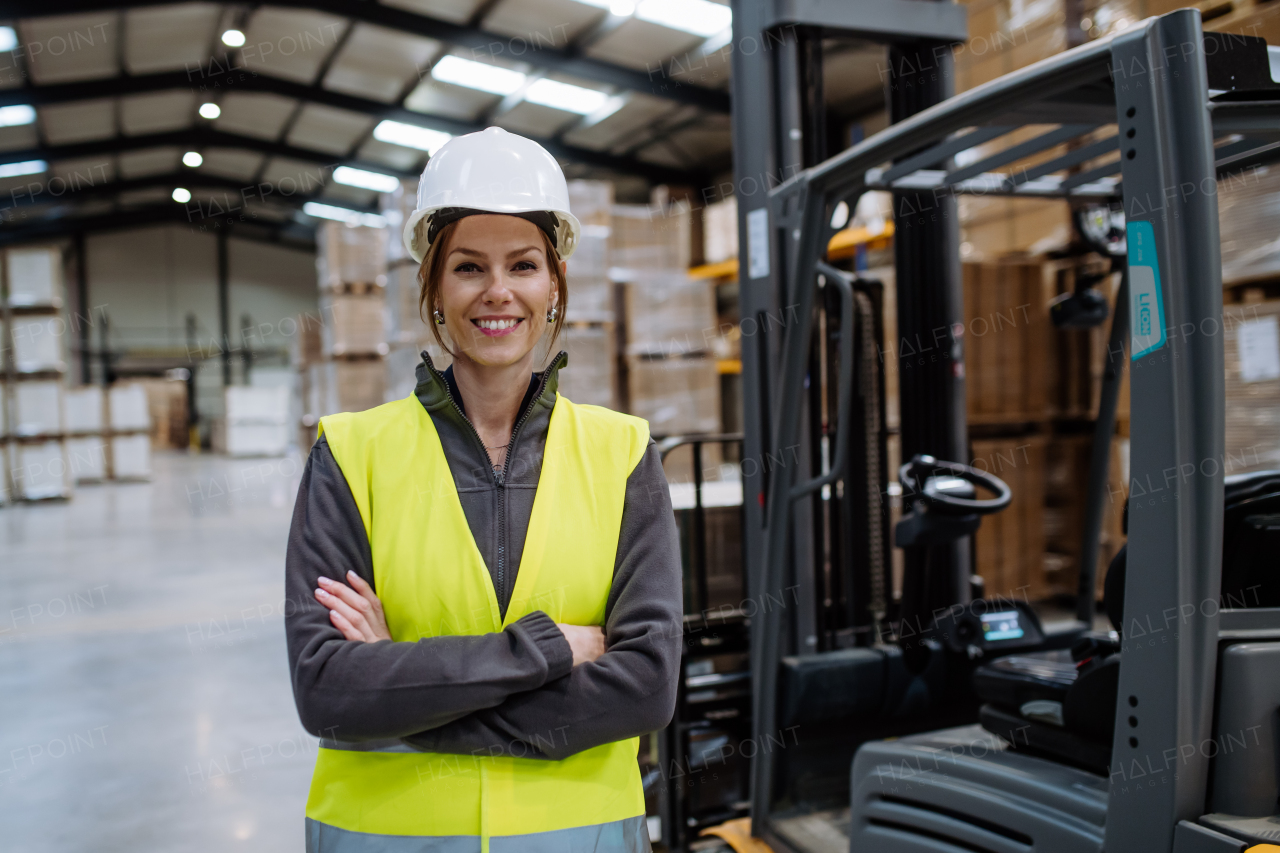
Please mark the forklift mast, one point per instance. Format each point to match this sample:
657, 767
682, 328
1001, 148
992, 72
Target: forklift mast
1158, 95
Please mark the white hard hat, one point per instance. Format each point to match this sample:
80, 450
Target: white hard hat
496, 172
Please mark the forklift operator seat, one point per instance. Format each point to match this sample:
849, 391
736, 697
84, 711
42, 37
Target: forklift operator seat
1042, 783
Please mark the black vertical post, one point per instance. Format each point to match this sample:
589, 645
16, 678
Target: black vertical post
930, 329
699, 531
224, 306
82, 313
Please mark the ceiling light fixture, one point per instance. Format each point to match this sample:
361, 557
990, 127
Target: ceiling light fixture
17, 114
410, 135
698, 17
366, 180
26, 167
192, 159
182, 195
343, 214
477, 75
565, 96
210, 111
233, 38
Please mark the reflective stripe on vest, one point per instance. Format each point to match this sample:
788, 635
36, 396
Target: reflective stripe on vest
622, 836
433, 582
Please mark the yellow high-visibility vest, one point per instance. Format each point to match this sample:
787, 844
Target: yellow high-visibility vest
433, 582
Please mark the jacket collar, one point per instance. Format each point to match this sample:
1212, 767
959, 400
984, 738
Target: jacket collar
433, 390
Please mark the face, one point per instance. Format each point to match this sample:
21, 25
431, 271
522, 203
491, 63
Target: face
496, 289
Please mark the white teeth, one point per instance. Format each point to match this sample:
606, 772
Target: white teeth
496, 324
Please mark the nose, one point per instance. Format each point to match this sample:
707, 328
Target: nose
497, 291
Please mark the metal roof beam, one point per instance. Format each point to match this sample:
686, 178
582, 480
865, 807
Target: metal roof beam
236, 80
536, 48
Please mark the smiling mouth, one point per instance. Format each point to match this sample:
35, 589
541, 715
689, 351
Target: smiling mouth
494, 328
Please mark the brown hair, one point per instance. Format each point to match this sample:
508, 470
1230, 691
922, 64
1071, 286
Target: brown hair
432, 270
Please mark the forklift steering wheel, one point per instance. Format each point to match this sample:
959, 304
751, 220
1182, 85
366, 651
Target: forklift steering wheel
936, 483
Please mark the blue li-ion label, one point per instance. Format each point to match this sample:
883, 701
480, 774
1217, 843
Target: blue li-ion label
1146, 305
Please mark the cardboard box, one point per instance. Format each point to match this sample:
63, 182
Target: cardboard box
85, 409
1009, 546
307, 346
257, 439
169, 411
720, 231
127, 408
354, 324
647, 239
591, 375
87, 458
396, 208
1251, 346
1067, 463
37, 408
131, 457
40, 471
249, 404
1248, 205
677, 396
1005, 348
349, 385
669, 315
403, 323
35, 276
38, 343
591, 202
350, 254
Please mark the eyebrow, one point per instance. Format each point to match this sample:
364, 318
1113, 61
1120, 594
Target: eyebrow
463, 250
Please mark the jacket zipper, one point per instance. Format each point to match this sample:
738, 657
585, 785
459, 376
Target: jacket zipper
500, 477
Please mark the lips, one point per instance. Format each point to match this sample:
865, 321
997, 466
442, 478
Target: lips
497, 326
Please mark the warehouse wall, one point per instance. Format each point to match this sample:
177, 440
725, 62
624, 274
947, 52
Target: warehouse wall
149, 280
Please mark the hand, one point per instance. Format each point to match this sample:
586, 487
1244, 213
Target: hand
356, 613
586, 641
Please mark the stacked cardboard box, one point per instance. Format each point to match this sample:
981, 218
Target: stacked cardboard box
1248, 204
1067, 462
1006, 332
341, 361
1251, 347
590, 288
670, 371
350, 254
257, 421
1009, 545
86, 433
720, 231
129, 425
33, 339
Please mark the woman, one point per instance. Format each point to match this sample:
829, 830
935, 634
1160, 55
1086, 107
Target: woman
491, 573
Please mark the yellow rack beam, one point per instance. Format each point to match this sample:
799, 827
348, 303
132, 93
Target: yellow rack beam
842, 245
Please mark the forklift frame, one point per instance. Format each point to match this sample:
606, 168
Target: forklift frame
1152, 82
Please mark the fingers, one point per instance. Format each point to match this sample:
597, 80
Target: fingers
348, 630
366, 592
341, 599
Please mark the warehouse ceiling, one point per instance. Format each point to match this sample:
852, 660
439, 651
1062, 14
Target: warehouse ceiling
109, 112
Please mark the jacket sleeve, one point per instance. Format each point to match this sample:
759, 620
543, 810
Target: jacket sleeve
631, 689
352, 691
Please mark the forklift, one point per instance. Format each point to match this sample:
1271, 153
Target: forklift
951, 719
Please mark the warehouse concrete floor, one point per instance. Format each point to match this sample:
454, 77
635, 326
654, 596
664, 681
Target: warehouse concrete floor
144, 690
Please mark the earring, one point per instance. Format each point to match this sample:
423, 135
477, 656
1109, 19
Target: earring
551, 315
438, 317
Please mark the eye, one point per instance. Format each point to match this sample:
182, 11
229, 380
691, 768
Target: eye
525, 266
467, 267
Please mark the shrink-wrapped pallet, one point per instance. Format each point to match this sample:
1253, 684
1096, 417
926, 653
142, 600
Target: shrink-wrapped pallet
350, 254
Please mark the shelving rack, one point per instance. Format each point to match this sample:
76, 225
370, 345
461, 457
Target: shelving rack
1188, 109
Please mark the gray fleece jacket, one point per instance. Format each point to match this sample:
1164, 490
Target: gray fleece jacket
514, 692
